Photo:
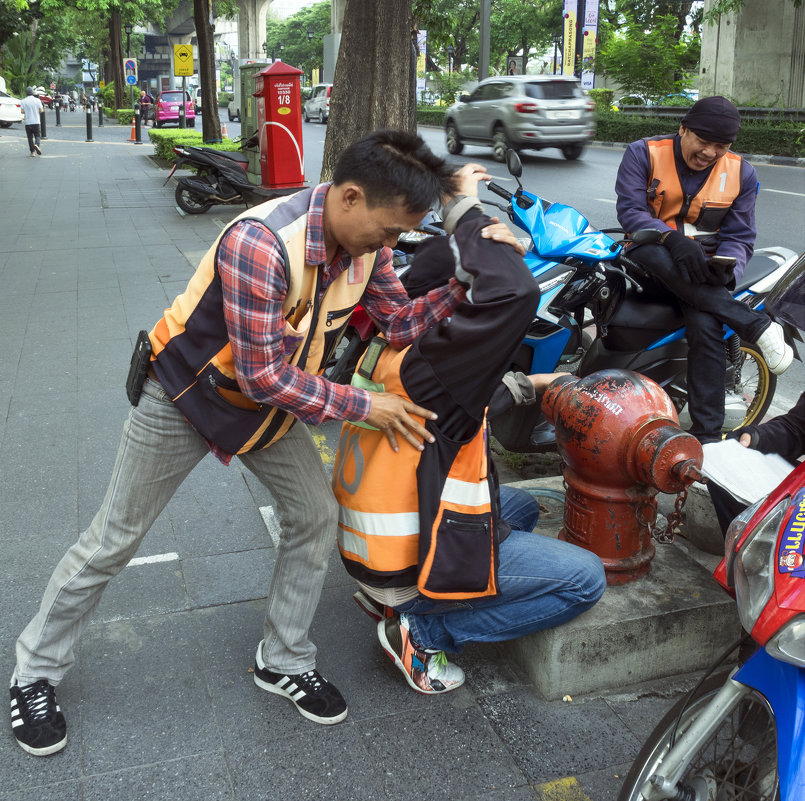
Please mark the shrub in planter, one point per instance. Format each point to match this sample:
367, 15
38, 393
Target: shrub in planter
602, 98
430, 115
165, 139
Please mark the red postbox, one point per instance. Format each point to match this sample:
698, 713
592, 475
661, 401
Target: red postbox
279, 122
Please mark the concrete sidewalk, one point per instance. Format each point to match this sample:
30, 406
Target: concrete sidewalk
161, 703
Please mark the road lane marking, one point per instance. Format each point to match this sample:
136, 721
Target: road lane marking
782, 192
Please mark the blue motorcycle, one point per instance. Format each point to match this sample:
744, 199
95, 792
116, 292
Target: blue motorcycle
591, 316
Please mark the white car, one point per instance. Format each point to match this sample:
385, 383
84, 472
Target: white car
10, 110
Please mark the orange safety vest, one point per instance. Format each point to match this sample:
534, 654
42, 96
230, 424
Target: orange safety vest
385, 537
192, 355
700, 215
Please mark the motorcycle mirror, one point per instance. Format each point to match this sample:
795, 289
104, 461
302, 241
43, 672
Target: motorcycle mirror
646, 236
514, 164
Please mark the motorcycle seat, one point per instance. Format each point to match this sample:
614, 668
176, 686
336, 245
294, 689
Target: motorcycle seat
242, 158
759, 266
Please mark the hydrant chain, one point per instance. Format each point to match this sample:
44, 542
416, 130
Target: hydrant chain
674, 519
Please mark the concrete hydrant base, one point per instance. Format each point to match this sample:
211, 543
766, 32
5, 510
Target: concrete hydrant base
675, 620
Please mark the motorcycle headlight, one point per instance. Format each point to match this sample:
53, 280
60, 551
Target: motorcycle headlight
754, 566
734, 532
788, 643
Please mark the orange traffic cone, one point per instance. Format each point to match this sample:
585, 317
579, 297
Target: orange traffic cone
132, 137
224, 134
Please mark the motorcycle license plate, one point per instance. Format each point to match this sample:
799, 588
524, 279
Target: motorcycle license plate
563, 114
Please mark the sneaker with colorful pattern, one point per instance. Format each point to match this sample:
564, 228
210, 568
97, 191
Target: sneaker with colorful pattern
425, 669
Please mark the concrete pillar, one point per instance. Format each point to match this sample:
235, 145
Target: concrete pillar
252, 29
756, 55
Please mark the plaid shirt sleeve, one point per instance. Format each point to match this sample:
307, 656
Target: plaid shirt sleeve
402, 319
254, 286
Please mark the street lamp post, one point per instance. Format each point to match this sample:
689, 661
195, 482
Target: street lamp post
310, 41
450, 52
282, 48
265, 51
556, 39
128, 27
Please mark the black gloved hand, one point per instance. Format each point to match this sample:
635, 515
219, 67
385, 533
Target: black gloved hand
688, 255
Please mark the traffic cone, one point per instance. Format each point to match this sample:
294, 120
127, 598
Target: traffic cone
224, 134
132, 137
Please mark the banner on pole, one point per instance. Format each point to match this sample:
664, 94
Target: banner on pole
589, 42
569, 37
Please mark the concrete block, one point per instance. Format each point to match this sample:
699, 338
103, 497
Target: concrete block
674, 620
701, 523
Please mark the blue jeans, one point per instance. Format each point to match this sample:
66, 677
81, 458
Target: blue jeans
543, 583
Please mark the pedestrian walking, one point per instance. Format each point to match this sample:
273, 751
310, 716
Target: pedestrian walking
32, 107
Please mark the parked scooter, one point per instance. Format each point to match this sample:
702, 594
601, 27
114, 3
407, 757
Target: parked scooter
741, 732
583, 282
221, 178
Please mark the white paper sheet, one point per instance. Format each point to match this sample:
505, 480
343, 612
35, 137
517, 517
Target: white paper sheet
745, 473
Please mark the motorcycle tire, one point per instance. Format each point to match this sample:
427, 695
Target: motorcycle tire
754, 382
739, 760
348, 352
191, 203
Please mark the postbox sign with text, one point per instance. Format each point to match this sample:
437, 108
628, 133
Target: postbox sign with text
279, 122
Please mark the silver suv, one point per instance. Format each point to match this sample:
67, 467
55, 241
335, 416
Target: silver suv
522, 111
318, 104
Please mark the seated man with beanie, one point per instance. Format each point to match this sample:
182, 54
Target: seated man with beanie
691, 187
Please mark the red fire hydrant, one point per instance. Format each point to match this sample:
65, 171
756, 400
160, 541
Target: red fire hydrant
619, 436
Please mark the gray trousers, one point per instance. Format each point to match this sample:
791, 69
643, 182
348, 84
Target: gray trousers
157, 452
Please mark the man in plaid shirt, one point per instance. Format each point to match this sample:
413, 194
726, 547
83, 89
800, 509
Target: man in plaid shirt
239, 340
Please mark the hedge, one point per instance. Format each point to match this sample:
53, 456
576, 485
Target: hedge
773, 138
164, 141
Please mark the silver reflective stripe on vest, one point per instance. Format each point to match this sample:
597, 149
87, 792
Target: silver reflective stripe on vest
466, 493
373, 524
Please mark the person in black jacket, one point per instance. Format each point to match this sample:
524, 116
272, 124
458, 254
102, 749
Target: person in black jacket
783, 435
456, 369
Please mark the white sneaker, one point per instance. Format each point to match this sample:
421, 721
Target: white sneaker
775, 351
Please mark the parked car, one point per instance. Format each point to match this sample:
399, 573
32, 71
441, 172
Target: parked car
318, 104
522, 111
167, 108
10, 110
195, 94
42, 94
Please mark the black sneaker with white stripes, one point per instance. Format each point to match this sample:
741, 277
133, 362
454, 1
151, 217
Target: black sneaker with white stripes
314, 696
36, 719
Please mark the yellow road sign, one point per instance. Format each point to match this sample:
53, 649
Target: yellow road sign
183, 60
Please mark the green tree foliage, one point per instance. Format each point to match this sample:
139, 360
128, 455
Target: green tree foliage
22, 63
651, 62
299, 51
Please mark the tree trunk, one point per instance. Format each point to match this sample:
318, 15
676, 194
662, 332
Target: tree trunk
116, 59
374, 77
210, 124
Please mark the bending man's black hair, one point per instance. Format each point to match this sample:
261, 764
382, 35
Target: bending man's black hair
394, 166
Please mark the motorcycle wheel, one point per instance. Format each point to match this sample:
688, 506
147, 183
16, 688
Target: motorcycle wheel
191, 203
739, 760
347, 354
754, 382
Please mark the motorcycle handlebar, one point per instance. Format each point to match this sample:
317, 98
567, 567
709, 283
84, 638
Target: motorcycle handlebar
499, 191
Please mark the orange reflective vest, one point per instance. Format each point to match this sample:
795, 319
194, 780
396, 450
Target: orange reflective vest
191, 353
698, 215
386, 537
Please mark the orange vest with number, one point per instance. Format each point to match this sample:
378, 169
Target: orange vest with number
699, 215
386, 537
192, 355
